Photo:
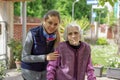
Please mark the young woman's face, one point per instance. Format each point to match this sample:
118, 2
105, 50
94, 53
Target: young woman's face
73, 35
51, 24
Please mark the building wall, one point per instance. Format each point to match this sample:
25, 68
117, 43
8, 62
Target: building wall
18, 29
106, 32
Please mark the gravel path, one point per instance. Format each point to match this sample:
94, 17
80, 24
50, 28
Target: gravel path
15, 75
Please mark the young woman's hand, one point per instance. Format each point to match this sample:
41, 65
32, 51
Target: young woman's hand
52, 56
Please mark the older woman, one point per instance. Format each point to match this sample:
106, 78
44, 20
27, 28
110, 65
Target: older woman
74, 58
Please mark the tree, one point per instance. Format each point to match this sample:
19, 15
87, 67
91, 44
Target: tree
82, 9
35, 8
38, 8
101, 15
112, 2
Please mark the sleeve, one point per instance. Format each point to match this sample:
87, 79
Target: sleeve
51, 70
26, 52
52, 67
90, 70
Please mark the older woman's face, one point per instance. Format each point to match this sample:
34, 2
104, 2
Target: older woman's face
73, 36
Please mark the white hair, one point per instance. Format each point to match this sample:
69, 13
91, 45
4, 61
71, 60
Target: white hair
72, 24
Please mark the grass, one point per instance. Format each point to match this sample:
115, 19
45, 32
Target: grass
102, 53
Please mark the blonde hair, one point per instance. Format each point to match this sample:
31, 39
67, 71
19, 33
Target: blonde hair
58, 39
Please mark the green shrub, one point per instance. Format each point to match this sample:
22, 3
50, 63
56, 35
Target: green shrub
102, 53
2, 70
101, 41
113, 62
16, 48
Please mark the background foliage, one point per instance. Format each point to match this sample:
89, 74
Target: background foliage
16, 48
38, 8
102, 2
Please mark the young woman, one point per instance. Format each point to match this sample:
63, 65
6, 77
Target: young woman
39, 47
74, 59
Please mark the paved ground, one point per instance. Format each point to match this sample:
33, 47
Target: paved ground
15, 75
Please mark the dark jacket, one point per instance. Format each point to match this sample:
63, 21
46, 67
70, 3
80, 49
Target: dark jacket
39, 47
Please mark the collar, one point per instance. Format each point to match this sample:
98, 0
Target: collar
74, 47
49, 37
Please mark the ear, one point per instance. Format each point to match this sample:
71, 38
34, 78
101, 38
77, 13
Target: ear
44, 20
